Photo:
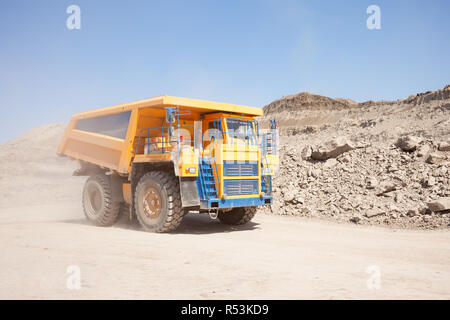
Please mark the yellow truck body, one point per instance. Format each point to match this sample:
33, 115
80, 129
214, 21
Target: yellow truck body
213, 147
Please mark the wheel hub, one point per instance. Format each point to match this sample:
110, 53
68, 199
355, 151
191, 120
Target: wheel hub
152, 203
95, 199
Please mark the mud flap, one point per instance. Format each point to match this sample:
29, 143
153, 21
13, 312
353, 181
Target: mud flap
189, 193
116, 185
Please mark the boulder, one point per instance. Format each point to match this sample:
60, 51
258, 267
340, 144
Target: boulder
355, 219
442, 204
423, 150
299, 199
330, 163
306, 152
314, 173
434, 158
344, 158
444, 146
408, 143
412, 213
431, 181
331, 149
385, 187
371, 182
375, 213
289, 196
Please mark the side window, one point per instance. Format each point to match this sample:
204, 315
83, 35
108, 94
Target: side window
214, 124
113, 125
212, 129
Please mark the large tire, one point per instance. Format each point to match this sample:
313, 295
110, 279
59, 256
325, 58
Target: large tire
237, 216
99, 206
157, 202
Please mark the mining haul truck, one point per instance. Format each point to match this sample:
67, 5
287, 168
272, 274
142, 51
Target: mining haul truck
158, 158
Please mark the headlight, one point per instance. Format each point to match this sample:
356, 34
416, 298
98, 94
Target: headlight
191, 170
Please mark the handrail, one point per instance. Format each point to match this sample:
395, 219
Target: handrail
212, 154
265, 162
163, 143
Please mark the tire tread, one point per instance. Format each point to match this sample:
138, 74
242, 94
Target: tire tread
111, 210
174, 208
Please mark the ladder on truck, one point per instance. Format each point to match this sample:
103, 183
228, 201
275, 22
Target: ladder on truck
208, 181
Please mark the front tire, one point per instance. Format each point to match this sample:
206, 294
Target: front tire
99, 206
157, 201
237, 216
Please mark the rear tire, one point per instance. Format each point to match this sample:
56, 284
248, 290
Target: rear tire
157, 202
99, 206
237, 216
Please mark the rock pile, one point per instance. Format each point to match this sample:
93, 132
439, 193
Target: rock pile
369, 185
387, 164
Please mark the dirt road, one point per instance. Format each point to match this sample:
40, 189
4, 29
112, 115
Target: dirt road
273, 257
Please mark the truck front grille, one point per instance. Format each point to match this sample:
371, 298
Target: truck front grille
235, 168
239, 187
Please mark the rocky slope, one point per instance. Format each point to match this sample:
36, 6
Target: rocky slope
385, 162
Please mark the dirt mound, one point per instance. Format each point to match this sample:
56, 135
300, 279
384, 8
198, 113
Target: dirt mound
397, 165
38, 144
32, 173
306, 100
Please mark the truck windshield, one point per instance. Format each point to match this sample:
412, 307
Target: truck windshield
241, 129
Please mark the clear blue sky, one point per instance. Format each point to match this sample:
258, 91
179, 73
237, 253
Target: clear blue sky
244, 52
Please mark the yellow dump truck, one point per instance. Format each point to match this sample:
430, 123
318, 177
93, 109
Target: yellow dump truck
158, 158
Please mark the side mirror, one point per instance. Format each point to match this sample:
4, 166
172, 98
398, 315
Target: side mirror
273, 124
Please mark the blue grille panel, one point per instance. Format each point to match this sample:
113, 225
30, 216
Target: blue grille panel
239, 187
236, 168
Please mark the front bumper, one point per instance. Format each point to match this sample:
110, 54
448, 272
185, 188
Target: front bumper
234, 203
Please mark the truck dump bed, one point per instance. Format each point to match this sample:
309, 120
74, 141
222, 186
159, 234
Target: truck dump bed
106, 137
